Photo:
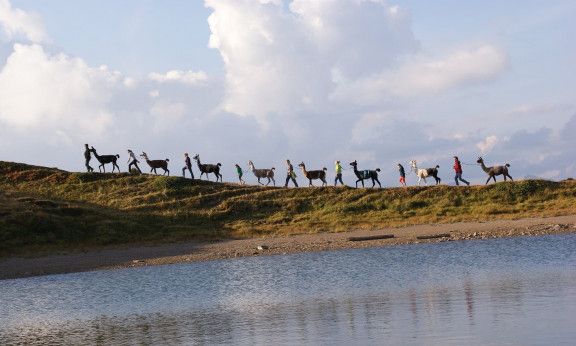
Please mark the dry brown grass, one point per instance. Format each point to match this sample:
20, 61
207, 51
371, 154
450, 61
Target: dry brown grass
48, 209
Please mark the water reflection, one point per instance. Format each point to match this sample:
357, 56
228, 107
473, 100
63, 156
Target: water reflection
442, 314
348, 297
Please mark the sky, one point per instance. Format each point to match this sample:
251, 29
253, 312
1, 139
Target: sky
380, 82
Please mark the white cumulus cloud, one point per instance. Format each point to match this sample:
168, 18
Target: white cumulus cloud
17, 23
427, 76
186, 77
488, 144
284, 59
39, 90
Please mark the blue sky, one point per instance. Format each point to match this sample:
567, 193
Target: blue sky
380, 82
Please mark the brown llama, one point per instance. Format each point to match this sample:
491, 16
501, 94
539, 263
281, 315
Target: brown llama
156, 164
263, 173
494, 170
312, 175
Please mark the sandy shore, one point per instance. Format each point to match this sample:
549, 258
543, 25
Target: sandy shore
136, 256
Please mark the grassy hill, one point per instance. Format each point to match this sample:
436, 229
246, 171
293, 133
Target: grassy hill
46, 209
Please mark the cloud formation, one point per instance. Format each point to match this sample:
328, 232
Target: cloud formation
39, 90
425, 76
186, 77
16, 23
282, 59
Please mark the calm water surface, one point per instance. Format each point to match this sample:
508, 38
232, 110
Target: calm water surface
517, 291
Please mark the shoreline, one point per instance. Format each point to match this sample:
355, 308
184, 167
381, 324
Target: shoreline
138, 256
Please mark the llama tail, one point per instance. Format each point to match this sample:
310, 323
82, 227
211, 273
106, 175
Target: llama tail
167, 160
272, 168
437, 166
118, 156
507, 165
219, 164
377, 169
324, 169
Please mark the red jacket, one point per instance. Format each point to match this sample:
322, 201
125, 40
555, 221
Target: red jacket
457, 166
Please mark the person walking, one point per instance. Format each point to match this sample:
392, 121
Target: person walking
290, 175
133, 161
187, 166
402, 175
338, 168
240, 173
88, 157
458, 170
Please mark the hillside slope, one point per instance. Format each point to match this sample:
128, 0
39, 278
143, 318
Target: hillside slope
45, 209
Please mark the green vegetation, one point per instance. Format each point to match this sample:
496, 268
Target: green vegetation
45, 209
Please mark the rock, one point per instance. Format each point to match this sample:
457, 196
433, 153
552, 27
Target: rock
137, 261
262, 247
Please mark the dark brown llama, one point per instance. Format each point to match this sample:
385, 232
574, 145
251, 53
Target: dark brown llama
156, 164
312, 175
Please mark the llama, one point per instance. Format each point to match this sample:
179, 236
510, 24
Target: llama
366, 174
104, 159
156, 164
208, 168
424, 173
263, 173
312, 175
494, 170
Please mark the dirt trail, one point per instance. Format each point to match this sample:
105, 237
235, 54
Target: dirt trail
135, 256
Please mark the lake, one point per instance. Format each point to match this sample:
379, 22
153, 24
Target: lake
516, 291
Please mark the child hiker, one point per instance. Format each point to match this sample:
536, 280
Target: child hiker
240, 173
458, 170
402, 175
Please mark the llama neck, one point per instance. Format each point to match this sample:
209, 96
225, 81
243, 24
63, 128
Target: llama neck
484, 168
303, 168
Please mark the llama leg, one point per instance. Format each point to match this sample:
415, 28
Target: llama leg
274, 181
378, 181
509, 176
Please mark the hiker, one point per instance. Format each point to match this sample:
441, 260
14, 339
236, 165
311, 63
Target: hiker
240, 173
132, 161
187, 166
458, 170
290, 175
338, 178
402, 175
88, 156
